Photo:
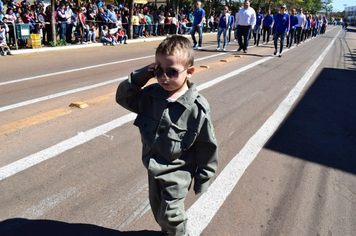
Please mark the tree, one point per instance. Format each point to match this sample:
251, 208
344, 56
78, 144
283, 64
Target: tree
53, 26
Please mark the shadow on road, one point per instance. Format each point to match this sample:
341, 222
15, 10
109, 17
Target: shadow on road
322, 127
26, 227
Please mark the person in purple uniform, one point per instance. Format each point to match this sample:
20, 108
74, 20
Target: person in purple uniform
280, 29
293, 22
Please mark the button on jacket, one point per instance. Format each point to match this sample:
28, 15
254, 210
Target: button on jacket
177, 137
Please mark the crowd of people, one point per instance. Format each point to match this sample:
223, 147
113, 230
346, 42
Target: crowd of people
94, 21
291, 28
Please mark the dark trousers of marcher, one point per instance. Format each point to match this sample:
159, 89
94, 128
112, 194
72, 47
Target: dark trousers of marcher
290, 37
266, 30
198, 29
276, 36
243, 31
298, 34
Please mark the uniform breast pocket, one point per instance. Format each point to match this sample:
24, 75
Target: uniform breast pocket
179, 140
147, 129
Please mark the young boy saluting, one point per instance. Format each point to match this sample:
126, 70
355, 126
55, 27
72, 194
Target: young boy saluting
176, 131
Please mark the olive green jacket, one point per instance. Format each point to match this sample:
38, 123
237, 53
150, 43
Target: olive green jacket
176, 136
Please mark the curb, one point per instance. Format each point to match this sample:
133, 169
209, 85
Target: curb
78, 46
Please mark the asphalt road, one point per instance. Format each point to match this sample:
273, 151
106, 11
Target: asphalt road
285, 126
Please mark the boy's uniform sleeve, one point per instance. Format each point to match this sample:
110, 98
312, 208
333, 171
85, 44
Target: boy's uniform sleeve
127, 94
206, 155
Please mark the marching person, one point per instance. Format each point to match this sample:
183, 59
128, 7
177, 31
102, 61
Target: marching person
280, 29
199, 16
224, 25
245, 22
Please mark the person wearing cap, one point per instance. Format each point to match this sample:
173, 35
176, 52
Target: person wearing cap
281, 29
299, 27
245, 22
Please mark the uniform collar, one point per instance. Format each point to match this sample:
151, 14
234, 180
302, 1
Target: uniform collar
187, 99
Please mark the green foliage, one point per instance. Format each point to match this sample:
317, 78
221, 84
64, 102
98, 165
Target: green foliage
60, 42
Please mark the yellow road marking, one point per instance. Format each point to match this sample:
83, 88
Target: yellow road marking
34, 120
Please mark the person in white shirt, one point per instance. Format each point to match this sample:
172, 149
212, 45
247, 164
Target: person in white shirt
245, 22
299, 27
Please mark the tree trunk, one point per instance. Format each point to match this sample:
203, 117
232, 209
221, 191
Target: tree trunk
53, 26
131, 5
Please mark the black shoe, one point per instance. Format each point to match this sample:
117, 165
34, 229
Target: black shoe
275, 52
239, 49
245, 51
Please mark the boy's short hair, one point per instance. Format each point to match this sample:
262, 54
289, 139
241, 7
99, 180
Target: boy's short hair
180, 46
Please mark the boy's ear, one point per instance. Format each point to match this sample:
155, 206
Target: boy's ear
190, 71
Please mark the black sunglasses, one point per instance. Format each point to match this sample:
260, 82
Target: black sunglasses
170, 73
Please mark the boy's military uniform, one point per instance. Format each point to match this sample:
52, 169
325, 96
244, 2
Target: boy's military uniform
178, 144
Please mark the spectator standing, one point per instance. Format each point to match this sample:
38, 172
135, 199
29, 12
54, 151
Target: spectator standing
155, 22
293, 19
245, 22
199, 16
143, 23
257, 28
102, 18
149, 23
300, 25
11, 18
70, 23
224, 25
174, 24
82, 29
48, 30
280, 29
136, 23
62, 21
190, 18
112, 17
161, 23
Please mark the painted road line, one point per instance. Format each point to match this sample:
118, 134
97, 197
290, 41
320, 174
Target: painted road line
73, 70
56, 95
88, 68
204, 209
